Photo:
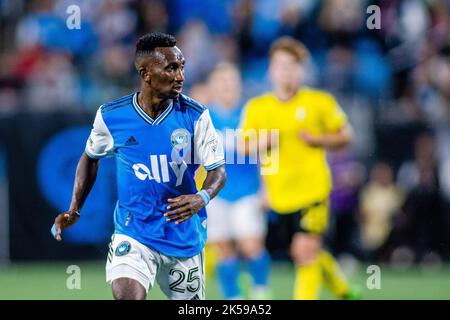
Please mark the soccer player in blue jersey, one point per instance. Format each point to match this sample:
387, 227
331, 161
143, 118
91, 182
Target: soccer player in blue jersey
236, 219
159, 137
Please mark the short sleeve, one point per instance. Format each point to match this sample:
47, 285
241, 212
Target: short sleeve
100, 142
208, 145
333, 117
249, 120
249, 124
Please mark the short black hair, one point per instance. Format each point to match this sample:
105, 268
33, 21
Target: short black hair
148, 42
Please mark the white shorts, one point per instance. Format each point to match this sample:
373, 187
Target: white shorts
235, 220
178, 278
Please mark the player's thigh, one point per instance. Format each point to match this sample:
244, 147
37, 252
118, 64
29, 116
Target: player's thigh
224, 249
219, 227
248, 220
250, 247
129, 259
307, 240
305, 247
183, 279
315, 219
128, 289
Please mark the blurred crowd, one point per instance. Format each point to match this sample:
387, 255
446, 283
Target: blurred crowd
392, 188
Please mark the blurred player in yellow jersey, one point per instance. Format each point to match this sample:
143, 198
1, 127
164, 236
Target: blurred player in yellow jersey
308, 122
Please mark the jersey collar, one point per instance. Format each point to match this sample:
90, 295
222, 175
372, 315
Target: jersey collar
146, 117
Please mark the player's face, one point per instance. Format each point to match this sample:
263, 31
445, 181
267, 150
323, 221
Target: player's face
166, 71
226, 84
285, 71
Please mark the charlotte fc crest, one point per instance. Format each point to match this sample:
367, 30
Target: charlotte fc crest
123, 248
180, 139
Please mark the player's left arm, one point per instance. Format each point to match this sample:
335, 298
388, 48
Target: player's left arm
336, 130
334, 140
186, 206
209, 152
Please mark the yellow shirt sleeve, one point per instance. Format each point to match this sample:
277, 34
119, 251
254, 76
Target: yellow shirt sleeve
249, 124
333, 117
249, 118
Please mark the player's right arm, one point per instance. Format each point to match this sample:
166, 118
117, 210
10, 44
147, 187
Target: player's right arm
99, 145
250, 141
84, 180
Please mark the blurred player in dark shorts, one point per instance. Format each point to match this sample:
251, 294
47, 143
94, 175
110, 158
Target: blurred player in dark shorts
308, 121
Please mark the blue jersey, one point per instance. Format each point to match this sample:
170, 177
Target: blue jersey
156, 160
242, 178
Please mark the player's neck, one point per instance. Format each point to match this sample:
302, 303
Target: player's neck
285, 94
228, 104
152, 105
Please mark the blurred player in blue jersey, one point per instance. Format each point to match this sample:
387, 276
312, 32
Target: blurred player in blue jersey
236, 221
158, 137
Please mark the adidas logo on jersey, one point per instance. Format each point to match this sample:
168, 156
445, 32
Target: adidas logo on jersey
131, 141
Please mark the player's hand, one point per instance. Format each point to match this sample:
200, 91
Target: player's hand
64, 221
184, 206
311, 140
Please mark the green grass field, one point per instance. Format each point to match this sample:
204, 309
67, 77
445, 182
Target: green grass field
48, 281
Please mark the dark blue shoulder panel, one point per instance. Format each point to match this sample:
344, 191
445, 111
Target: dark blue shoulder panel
118, 103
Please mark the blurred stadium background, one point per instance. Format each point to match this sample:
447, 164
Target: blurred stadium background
392, 189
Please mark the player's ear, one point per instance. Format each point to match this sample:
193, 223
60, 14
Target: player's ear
145, 75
